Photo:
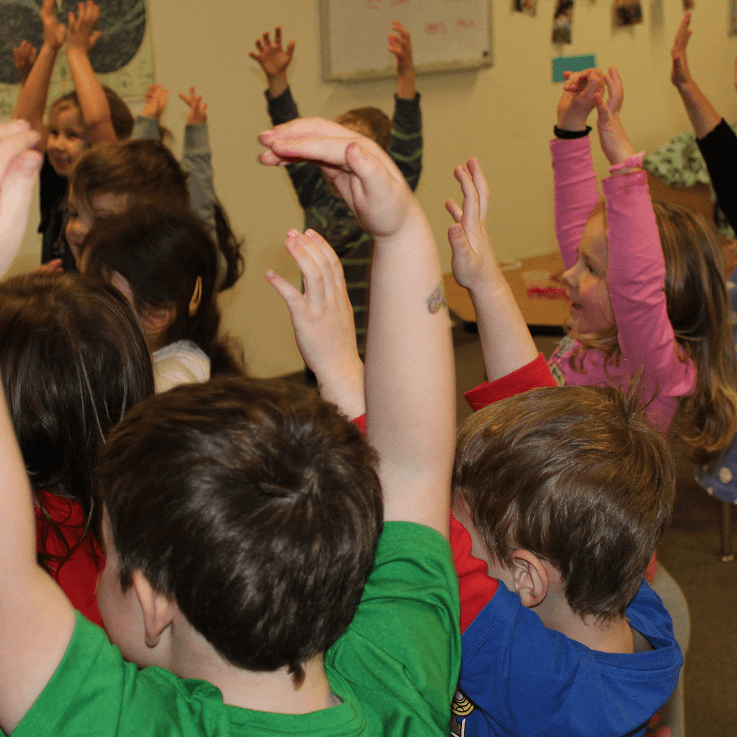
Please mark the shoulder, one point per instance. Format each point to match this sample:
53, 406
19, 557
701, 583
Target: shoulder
93, 685
182, 362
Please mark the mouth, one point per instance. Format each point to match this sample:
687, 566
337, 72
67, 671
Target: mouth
60, 162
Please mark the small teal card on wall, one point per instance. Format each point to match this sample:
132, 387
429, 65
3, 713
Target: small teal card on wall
572, 64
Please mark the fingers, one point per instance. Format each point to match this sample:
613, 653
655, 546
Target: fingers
615, 88
277, 35
15, 137
470, 194
481, 185
456, 212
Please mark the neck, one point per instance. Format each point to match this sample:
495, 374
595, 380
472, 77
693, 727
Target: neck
272, 691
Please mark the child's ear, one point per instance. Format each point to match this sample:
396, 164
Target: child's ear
530, 578
158, 610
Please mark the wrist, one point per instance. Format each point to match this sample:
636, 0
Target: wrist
568, 134
627, 162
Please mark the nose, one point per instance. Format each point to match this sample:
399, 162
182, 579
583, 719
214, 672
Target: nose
570, 276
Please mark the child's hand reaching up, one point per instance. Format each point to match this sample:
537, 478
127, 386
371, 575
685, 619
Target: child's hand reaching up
322, 318
360, 169
156, 97
197, 111
18, 168
53, 30
24, 57
577, 100
613, 138
679, 74
81, 32
400, 44
274, 60
506, 342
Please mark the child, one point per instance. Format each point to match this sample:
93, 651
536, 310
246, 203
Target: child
112, 177
197, 162
635, 304
89, 114
565, 494
242, 521
718, 145
325, 212
73, 363
165, 264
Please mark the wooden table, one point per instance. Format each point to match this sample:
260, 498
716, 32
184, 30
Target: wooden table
542, 314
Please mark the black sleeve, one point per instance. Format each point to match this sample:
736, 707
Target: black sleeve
719, 149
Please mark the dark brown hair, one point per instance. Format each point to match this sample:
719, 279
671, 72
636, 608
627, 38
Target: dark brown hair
73, 362
252, 503
578, 477
120, 114
698, 310
148, 174
370, 122
162, 254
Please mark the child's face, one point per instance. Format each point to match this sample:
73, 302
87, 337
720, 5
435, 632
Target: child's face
81, 215
586, 283
67, 138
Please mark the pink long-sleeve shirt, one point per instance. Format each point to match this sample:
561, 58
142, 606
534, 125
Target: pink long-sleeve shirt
635, 277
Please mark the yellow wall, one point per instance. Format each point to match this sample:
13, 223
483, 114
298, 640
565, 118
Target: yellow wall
503, 114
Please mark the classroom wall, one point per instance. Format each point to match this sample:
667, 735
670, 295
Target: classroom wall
503, 114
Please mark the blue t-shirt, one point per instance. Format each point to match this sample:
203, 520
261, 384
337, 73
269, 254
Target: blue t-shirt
520, 678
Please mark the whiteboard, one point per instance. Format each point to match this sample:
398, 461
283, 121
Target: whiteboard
447, 35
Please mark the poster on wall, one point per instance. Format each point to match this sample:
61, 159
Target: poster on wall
122, 57
733, 18
525, 6
627, 12
563, 21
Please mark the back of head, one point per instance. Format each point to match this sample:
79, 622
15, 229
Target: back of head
699, 313
146, 171
576, 476
370, 122
169, 261
73, 362
252, 503
120, 114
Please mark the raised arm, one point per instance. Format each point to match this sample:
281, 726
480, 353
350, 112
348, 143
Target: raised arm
575, 181
24, 57
506, 342
81, 37
37, 620
274, 60
409, 367
400, 44
32, 96
702, 114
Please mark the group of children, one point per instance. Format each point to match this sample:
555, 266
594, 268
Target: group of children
274, 561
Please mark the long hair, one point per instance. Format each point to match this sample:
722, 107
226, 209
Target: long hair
73, 361
698, 310
120, 114
166, 258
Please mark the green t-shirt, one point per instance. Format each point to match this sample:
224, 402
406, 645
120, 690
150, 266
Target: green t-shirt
395, 669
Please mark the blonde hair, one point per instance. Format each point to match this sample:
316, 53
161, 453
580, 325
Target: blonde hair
370, 122
698, 310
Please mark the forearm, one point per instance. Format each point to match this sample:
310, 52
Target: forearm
406, 88
576, 193
405, 147
410, 376
145, 128
506, 343
277, 84
719, 149
33, 94
197, 162
92, 100
702, 114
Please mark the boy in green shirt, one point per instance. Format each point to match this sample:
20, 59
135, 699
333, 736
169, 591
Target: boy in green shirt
275, 572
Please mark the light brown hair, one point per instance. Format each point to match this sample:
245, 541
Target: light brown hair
370, 122
576, 476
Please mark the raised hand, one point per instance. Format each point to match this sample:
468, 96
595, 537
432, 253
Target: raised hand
156, 97
273, 59
473, 259
322, 319
613, 138
577, 100
364, 175
24, 57
81, 32
679, 74
197, 111
19, 165
53, 30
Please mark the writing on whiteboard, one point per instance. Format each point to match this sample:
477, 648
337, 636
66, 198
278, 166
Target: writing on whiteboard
435, 28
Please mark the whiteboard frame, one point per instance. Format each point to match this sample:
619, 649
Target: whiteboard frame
390, 72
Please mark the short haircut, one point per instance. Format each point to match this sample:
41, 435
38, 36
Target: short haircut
575, 475
370, 122
73, 361
254, 505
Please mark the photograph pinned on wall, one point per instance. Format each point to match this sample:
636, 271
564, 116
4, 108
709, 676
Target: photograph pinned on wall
563, 21
627, 12
688, 4
525, 6
733, 18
